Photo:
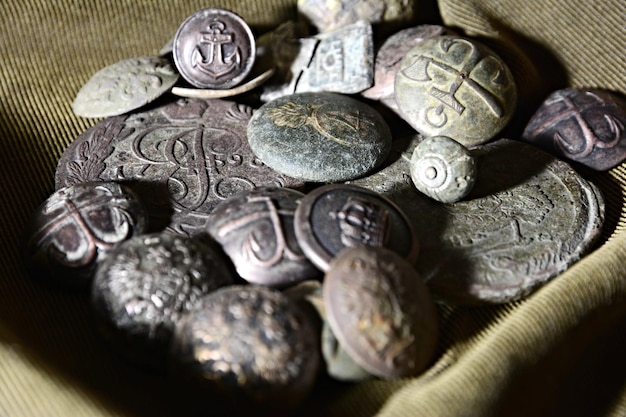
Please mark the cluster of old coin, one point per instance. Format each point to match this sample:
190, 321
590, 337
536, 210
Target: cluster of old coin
248, 248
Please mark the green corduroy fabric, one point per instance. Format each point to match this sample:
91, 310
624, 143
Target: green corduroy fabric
557, 353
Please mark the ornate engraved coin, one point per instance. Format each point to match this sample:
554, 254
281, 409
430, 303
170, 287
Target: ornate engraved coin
255, 228
528, 218
252, 344
334, 217
214, 48
181, 158
582, 125
455, 87
125, 86
146, 285
319, 137
443, 169
381, 311
76, 227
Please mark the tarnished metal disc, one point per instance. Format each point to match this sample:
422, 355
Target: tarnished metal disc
256, 229
443, 169
381, 311
76, 227
528, 218
125, 86
251, 343
456, 87
214, 48
334, 217
146, 284
181, 158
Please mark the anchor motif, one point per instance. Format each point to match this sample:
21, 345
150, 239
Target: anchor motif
418, 70
591, 140
208, 56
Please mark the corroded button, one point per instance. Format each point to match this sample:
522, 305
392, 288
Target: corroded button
124, 86
146, 284
381, 311
214, 48
455, 87
443, 169
181, 158
320, 137
256, 230
581, 125
334, 217
253, 345
77, 226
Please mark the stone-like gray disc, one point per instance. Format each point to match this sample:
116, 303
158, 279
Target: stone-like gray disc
125, 86
181, 158
528, 218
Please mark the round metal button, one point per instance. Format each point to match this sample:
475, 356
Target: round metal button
381, 311
214, 48
146, 284
455, 87
256, 229
338, 216
76, 227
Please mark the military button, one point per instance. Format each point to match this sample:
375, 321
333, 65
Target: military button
214, 48
253, 345
144, 287
76, 227
320, 137
124, 86
443, 169
334, 217
581, 125
456, 87
381, 311
256, 230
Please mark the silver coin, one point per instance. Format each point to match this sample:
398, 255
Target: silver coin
76, 227
256, 229
334, 217
124, 86
181, 158
252, 344
528, 218
146, 284
381, 311
214, 48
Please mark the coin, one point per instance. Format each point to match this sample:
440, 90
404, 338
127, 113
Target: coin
255, 228
443, 169
75, 229
586, 126
338, 216
253, 345
124, 86
528, 218
144, 287
214, 48
381, 311
321, 137
455, 87
181, 158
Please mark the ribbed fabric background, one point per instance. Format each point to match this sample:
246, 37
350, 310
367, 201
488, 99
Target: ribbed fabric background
558, 353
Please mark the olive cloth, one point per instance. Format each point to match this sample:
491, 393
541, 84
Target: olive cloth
560, 352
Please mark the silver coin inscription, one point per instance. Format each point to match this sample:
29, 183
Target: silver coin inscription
256, 230
380, 311
124, 86
252, 343
145, 286
181, 158
77, 226
528, 218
